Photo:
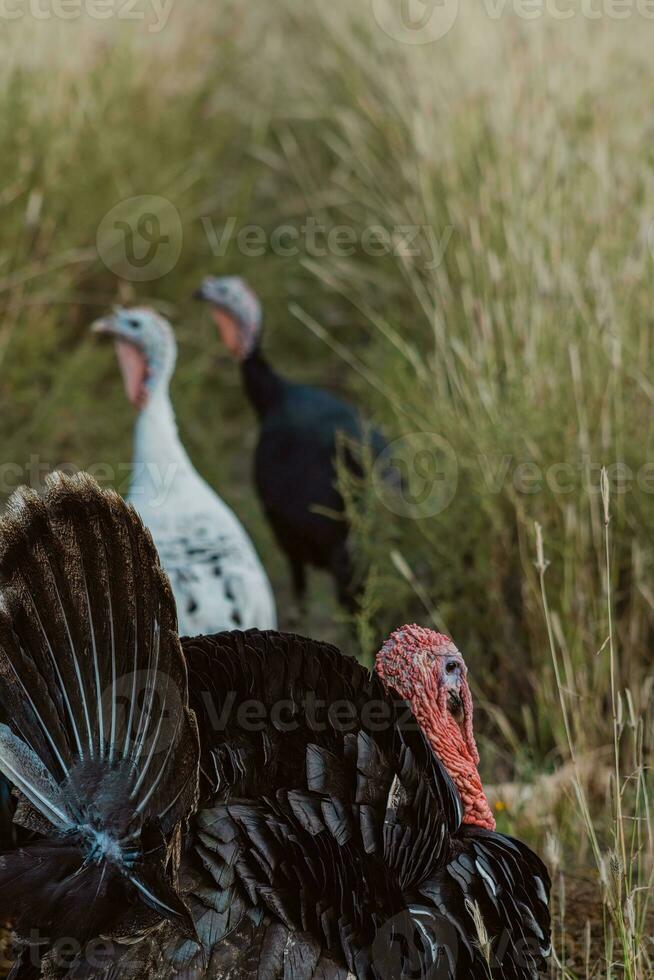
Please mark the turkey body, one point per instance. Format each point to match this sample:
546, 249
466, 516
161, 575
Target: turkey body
217, 578
295, 472
328, 846
332, 820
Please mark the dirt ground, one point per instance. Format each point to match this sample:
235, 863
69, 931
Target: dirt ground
579, 928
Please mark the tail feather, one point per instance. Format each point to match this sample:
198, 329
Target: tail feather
20, 764
100, 740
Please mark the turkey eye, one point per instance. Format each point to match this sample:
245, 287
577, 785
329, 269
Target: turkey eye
451, 666
134, 324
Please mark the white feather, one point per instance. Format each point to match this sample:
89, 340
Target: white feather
96, 669
114, 680
540, 890
487, 878
395, 794
62, 686
132, 701
78, 672
155, 742
152, 898
24, 769
150, 693
162, 770
40, 720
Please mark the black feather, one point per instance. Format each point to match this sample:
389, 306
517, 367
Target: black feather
302, 431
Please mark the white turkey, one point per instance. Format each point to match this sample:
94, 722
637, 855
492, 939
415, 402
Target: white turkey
218, 580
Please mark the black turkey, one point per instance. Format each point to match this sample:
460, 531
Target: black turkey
252, 805
301, 429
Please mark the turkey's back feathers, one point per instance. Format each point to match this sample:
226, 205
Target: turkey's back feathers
324, 807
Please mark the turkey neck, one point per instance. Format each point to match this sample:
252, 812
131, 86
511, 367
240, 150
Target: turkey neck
159, 459
263, 385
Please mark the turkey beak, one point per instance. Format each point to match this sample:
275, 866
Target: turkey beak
455, 705
199, 294
104, 325
454, 682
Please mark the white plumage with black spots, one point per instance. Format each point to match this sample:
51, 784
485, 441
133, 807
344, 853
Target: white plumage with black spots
218, 580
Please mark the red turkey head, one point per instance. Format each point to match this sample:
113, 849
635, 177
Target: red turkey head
427, 670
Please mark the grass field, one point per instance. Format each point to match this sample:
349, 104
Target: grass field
459, 236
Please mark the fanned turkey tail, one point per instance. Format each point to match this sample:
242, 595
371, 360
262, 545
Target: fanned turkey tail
100, 742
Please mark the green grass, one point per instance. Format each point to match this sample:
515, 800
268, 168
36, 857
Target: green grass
524, 147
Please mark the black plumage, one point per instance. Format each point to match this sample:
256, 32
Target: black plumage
302, 429
313, 835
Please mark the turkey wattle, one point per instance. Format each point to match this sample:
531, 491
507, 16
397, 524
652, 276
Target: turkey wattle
217, 577
295, 462
248, 805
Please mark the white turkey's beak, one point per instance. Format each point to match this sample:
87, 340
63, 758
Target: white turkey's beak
105, 325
